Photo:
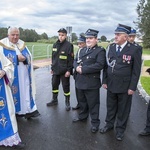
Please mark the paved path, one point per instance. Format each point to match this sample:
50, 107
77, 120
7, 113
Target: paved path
41, 63
54, 129
146, 57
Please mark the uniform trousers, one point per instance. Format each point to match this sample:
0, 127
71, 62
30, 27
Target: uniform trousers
89, 101
118, 108
65, 83
148, 119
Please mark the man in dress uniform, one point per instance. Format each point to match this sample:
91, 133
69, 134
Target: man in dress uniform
61, 68
120, 79
81, 44
132, 37
92, 61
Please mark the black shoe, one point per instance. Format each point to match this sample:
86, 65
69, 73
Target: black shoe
21, 145
32, 115
144, 133
94, 129
119, 136
52, 103
68, 108
76, 107
19, 116
78, 120
105, 129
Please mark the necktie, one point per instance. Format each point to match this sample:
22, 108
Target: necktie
87, 50
118, 50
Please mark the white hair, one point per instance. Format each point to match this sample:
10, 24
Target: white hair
13, 28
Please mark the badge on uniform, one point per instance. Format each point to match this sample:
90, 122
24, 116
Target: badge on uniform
126, 58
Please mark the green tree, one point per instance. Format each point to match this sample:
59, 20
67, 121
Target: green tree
3, 33
103, 38
44, 36
74, 37
143, 21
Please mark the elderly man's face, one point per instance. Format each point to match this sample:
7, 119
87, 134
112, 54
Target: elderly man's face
120, 38
13, 36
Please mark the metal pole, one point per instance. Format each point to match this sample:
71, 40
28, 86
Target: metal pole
48, 51
33, 52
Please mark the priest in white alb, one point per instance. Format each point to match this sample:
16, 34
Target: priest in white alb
9, 135
23, 88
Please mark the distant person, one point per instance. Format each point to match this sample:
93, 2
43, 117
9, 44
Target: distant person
131, 39
61, 68
120, 79
23, 88
9, 135
88, 67
146, 130
81, 44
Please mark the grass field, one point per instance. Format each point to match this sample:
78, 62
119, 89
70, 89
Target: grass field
147, 63
41, 50
146, 51
146, 80
145, 83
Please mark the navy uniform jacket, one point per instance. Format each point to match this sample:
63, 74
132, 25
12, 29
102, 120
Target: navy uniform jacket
62, 57
92, 63
139, 47
126, 71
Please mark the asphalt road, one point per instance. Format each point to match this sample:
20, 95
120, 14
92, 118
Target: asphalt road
54, 129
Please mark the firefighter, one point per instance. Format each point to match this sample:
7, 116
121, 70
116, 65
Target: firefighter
88, 67
61, 68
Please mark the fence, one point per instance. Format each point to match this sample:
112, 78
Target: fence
40, 51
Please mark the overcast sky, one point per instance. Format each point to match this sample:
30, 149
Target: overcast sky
50, 15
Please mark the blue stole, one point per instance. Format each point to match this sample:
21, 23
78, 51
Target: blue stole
11, 55
6, 129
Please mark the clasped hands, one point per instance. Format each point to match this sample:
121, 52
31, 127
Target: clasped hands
21, 58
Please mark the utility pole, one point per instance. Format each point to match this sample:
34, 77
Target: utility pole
69, 33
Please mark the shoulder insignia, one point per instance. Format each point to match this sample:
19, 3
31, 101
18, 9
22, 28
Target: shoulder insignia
129, 45
113, 44
136, 44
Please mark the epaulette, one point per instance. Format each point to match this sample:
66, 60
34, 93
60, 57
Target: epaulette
112, 44
136, 44
129, 44
101, 47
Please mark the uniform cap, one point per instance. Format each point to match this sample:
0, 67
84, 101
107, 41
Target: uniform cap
63, 30
133, 32
81, 39
91, 33
123, 29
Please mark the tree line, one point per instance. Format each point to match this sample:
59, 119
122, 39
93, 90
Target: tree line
30, 35
143, 21
27, 35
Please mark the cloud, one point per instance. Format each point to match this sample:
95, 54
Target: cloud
50, 15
